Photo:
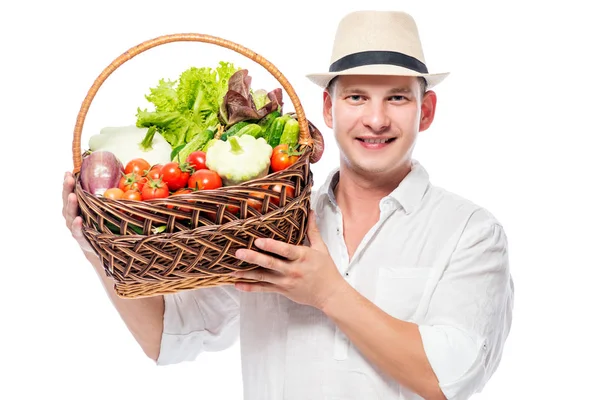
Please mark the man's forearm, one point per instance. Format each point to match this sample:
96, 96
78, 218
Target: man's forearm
393, 345
143, 317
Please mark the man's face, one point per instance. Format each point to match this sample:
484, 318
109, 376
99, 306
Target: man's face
375, 120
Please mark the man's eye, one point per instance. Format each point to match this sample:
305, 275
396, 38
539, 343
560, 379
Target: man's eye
355, 97
397, 98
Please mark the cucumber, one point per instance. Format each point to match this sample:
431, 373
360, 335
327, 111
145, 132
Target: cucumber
253, 130
276, 130
233, 130
290, 134
196, 143
266, 121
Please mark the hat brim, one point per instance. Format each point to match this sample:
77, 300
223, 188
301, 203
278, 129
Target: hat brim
323, 79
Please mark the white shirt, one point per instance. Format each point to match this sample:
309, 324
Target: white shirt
433, 258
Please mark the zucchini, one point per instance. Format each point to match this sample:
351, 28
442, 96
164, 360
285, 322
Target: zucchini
290, 134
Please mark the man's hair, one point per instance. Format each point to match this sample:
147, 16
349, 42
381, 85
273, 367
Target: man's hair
422, 84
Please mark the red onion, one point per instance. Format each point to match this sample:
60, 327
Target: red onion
100, 170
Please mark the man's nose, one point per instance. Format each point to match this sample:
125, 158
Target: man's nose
376, 117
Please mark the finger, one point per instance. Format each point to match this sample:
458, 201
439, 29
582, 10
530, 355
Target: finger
285, 250
68, 185
314, 236
260, 259
77, 232
260, 275
72, 209
255, 287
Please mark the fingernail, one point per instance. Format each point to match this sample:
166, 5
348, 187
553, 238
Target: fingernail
259, 242
240, 254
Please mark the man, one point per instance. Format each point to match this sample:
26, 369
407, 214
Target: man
404, 291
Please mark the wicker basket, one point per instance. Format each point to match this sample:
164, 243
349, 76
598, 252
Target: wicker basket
196, 249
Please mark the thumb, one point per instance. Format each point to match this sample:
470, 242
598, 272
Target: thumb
314, 236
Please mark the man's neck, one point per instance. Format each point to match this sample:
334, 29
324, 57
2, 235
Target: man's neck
359, 195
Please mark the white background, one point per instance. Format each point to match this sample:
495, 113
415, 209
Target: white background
516, 131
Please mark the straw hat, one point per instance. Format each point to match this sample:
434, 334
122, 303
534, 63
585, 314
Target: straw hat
377, 43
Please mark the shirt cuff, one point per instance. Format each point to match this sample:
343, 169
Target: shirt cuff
456, 359
195, 321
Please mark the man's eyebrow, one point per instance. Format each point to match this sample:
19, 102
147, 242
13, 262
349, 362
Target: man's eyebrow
353, 90
402, 89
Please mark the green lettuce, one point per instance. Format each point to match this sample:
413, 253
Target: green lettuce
188, 106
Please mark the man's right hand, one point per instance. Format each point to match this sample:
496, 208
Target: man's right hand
71, 213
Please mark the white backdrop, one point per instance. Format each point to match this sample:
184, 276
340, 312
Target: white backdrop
516, 131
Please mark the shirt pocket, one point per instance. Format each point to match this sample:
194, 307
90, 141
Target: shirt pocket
400, 290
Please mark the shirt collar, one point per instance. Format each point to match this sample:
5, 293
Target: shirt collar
407, 195
413, 187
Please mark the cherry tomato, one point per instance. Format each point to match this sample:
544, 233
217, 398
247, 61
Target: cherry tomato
137, 165
289, 193
182, 191
283, 157
256, 201
135, 195
233, 209
175, 175
154, 172
155, 189
132, 181
197, 159
132, 194
113, 193
205, 179
212, 216
184, 209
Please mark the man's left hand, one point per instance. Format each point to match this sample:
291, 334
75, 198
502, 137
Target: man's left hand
306, 275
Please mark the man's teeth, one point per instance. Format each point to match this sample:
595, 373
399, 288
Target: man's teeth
375, 140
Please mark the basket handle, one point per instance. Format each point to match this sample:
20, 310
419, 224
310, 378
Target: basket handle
304, 136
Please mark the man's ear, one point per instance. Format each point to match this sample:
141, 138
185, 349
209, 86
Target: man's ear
327, 109
427, 110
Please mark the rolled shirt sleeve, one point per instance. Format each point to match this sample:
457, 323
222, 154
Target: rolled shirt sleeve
470, 312
195, 321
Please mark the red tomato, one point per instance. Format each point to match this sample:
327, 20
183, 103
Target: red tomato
209, 215
175, 175
132, 181
155, 189
133, 194
137, 165
212, 216
113, 193
283, 157
289, 193
181, 191
233, 209
154, 172
205, 179
257, 204
197, 159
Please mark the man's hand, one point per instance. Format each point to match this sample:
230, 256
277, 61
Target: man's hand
306, 275
70, 212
